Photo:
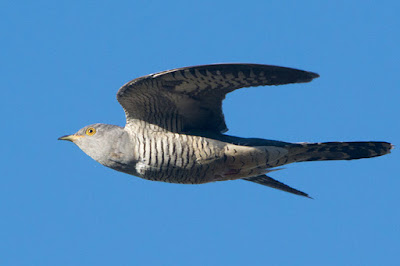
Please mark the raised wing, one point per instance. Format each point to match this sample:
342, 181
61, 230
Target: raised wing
190, 98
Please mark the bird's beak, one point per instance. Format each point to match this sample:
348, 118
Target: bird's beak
70, 137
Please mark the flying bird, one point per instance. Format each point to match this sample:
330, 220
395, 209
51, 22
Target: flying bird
175, 128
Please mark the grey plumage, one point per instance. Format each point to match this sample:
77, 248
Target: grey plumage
175, 124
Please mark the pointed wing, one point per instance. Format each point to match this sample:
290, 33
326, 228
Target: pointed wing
270, 182
190, 98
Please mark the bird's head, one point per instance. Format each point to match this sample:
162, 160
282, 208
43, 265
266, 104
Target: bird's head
99, 141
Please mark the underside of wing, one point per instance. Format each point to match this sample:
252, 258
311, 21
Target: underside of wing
190, 98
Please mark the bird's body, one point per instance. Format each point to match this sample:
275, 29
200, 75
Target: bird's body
178, 158
175, 124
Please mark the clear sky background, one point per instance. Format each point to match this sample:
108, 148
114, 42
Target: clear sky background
61, 64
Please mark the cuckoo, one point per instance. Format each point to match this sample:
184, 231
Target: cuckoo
175, 129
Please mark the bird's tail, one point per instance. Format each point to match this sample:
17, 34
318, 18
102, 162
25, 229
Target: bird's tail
303, 152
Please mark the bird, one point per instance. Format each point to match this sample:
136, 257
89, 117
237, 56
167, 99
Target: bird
175, 130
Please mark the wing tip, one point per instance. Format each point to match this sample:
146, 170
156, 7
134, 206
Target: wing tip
313, 75
308, 76
270, 182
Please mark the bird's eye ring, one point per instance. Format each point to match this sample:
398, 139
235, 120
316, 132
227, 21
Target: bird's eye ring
90, 131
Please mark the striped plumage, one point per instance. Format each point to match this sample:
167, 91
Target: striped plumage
175, 124
177, 158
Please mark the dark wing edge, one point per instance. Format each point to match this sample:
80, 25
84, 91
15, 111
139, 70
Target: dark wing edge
194, 94
270, 182
306, 76
301, 76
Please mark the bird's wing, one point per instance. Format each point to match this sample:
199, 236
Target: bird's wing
190, 98
270, 182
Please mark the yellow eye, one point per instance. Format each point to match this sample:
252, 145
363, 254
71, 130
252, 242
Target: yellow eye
90, 131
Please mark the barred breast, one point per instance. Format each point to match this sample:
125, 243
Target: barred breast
177, 158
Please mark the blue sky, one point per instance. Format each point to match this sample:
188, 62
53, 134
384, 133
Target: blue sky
62, 63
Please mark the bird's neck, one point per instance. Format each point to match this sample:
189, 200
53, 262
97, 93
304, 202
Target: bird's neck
121, 155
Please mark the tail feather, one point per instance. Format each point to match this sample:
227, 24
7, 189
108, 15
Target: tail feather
302, 152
